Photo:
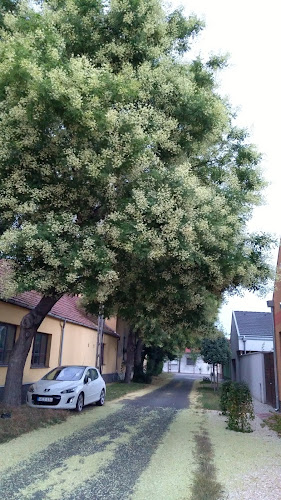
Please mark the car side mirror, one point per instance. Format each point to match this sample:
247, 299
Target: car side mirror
87, 380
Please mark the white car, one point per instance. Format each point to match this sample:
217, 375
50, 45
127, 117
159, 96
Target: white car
68, 387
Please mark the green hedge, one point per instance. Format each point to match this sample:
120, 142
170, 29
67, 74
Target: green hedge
236, 402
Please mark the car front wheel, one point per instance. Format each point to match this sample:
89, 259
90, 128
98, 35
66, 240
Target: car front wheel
101, 401
80, 402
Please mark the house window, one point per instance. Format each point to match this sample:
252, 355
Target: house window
7, 340
40, 350
190, 362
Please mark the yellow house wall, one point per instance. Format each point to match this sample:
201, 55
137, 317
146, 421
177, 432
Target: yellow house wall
79, 344
13, 314
112, 322
110, 353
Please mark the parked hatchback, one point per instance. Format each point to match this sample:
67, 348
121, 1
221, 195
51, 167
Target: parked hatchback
68, 387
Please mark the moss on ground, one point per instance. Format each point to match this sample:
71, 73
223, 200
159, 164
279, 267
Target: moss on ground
169, 474
22, 448
25, 419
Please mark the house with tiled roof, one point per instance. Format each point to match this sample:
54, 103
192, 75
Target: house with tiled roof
251, 342
66, 336
188, 363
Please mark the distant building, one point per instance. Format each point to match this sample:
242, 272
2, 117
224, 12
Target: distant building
186, 364
251, 342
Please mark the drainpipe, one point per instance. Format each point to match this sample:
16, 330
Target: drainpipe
244, 341
99, 353
61, 341
270, 304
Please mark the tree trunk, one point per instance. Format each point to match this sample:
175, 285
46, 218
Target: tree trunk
28, 329
138, 354
138, 361
130, 357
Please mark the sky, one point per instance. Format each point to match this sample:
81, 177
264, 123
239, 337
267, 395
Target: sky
249, 31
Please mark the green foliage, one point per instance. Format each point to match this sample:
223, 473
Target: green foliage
205, 380
224, 396
142, 377
122, 177
155, 360
236, 403
215, 351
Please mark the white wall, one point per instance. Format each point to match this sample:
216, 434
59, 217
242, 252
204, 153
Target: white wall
259, 345
199, 368
252, 372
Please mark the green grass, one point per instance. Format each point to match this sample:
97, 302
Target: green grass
209, 399
116, 390
274, 423
25, 419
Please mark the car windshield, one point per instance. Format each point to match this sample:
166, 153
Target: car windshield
66, 373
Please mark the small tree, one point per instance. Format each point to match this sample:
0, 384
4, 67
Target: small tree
215, 352
236, 403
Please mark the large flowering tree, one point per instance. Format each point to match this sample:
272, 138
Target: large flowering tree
120, 173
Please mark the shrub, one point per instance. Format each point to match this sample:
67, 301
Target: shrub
225, 387
237, 404
205, 380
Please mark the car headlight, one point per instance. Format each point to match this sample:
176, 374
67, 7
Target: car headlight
31, 388
67, 391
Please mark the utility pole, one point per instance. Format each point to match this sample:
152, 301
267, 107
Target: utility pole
99, 353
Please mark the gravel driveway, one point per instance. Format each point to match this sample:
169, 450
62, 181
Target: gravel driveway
103, 459
140, 448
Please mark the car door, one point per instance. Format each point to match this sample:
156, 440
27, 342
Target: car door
88, 387
92, 386
96, 384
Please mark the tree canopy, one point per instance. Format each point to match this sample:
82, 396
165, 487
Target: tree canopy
215, 351
122, 177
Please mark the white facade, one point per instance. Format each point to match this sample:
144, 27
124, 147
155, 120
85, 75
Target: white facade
255, 345
252, 372
251, 332
187, 366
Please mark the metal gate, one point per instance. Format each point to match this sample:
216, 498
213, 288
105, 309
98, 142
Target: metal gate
269, 378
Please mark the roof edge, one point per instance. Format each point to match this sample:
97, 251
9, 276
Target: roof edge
94, 327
